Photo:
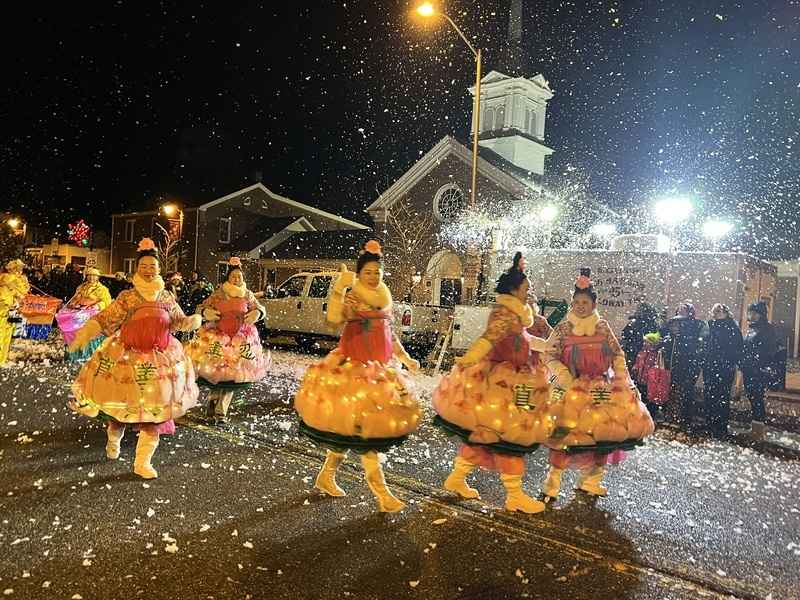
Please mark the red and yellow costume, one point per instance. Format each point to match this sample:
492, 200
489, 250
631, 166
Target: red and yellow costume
596, 408
91, 298
496, 399
13, 288
140, 373
357, 397
228, 350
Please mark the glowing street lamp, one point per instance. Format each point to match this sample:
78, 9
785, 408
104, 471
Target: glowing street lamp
716, 230
169, 209
671, 211
427, 10
18, 227
603, 230
548, 213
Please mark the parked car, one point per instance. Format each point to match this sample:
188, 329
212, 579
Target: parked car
298, 307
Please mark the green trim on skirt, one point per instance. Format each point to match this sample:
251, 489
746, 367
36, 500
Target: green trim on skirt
499, 447
342, 443
228, 386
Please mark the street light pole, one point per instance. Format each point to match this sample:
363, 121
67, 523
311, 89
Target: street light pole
427, 10
476, 132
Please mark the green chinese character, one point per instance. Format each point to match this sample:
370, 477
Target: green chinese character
144, 373
246, 352
215, 350
104, 367
601, 396
522, 396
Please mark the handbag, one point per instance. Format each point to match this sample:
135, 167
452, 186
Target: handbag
658, 382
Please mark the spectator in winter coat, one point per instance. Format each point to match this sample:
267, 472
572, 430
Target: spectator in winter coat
642, 322
760, 347
723, 354
201, 290
683, 338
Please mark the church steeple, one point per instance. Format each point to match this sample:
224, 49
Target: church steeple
513, 59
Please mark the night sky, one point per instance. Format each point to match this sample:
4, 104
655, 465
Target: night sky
109, 107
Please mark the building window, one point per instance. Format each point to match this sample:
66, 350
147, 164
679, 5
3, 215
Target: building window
488, 120
224, 230
222, 271
129, 225
500, 118
128, 265
532, 126
448, 203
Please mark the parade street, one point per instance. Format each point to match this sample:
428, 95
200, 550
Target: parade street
233, 514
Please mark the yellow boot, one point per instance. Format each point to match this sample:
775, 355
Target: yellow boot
457, 482
326, 480
145, 448
552, 485
591, 481
377, 484
516, 499
114, 434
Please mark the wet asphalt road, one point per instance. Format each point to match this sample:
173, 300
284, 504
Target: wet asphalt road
233, 515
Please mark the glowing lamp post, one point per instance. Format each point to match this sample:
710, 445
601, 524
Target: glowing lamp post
427, 10
715, 231
671, 212
548, 215
18, 227
603, 231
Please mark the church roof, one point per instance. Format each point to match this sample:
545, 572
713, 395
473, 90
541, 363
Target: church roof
338, 245
491, 165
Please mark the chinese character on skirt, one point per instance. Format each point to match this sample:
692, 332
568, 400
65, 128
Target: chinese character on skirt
557, 394
522, 395
215, 350
601, 396
245, 352
144, 372
104, 367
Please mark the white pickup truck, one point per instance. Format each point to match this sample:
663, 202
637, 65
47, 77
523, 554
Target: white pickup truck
297, 310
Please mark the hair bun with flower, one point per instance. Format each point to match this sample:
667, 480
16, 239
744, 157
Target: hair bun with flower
146, 244
235, 261
373, 247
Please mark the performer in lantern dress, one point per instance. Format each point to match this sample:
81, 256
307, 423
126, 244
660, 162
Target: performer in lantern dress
139, 375
14, 287
496, 396
89, 299
357, 397
226, 352
596, 408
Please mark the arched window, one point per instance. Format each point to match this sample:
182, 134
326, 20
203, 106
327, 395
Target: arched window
532, 125
500, 118
488, 120
527, 120
448, 203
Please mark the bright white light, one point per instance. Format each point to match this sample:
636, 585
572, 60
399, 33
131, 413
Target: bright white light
169, 209
548, 213
716, 230
671, 211
603, 230
13, 222
426, 9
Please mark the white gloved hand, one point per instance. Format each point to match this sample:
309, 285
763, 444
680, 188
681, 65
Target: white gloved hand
192, 323
211, 314
253, 316
346, 279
